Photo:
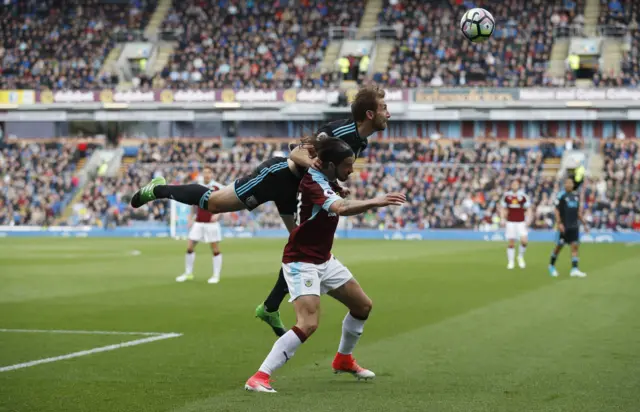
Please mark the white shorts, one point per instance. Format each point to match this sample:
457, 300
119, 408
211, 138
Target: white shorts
205, 232
310, 279
516, 230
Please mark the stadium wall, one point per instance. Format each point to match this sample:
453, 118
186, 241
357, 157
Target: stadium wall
372, 234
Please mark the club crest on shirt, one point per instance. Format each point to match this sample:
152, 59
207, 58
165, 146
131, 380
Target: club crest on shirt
308, 282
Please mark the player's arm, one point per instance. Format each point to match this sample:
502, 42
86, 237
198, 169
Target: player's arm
503, 210
558, 203
585, 225
301, 157
192, 216
348, 207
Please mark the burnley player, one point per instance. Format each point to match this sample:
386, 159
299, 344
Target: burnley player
516, 215
311, 271
568, 217
277, 180
206, 229
369, 115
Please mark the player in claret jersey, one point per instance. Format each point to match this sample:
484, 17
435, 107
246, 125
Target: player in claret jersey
311, 271
516, 215
205, 229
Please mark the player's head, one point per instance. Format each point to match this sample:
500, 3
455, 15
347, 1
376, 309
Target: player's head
568, 184
336, 156
369, 106
515, 185
207, 174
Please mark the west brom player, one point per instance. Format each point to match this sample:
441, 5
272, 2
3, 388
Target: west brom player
277, 180
568, 217
206, 229
370, 115
311, 270
516, 216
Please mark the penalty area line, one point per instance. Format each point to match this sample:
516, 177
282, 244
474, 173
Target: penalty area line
90, 351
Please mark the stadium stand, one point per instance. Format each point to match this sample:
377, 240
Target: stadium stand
255, 44
38, 180
516, 57
56, 44
447, 185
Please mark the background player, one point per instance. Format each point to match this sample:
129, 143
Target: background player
568, 215
311, 270
206, 229
516, 215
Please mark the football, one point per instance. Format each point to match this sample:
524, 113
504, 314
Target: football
477, 25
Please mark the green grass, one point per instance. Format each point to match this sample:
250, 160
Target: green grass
451, 329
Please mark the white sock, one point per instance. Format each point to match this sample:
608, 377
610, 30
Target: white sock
521, 251
352, 329
283, 349
188, 262
217, 265
511, 253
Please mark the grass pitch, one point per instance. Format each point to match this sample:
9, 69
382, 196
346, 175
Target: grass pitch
451, 329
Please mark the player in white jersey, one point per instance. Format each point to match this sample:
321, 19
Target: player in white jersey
516, 216
206, 229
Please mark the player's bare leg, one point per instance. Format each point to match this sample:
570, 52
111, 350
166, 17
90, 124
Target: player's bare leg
524, 241
215, 201
189, 259
308, 316
511, 254
353, 297
552, 263
217, 263
575, 272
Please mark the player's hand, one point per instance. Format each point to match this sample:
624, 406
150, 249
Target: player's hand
344, 192
317, 163
586, 229
392, 199
560, 227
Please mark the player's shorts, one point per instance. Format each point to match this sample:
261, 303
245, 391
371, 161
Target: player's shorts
516, 230
568, 237
310, 279
271, 181
205, 232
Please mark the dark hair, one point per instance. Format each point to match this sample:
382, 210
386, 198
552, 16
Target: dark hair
366, 99
332, 149
207, 167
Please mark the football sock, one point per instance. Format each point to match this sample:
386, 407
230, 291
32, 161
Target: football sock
553, 259
193, 194
283, 349
189, 258
277, 294
511, 253
522, 250
217, 265
574, 262
352, 329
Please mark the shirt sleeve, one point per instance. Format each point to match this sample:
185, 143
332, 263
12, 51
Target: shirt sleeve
319, 190
558, 201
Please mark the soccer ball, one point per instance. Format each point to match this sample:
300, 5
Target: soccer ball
477, 25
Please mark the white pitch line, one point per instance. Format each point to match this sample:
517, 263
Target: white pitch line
90, 351
83, 332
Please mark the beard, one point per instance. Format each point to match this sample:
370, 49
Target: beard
379, 123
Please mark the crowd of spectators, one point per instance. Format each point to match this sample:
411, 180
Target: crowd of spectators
430, 51
448, 186
58, 44
257, 43
36, 180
